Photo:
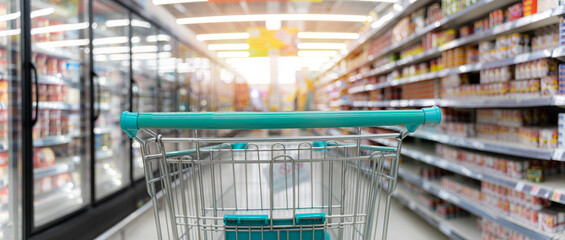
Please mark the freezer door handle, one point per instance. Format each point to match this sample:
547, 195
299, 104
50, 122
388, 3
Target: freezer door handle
97, 94
36, 84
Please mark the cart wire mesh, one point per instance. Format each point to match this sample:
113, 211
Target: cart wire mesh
312, 187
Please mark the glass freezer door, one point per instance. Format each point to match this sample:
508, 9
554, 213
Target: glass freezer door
59, 32
10, 124
144, 89
111, 82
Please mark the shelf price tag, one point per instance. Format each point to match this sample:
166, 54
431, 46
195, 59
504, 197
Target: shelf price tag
519, 186
557, 154
535, 190
556, 196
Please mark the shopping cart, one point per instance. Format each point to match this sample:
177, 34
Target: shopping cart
295, 187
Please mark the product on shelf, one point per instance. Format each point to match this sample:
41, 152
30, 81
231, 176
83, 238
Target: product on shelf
421, 90
468, 189
43, 157
494, 231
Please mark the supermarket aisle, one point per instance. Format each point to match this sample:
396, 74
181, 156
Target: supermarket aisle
404, 224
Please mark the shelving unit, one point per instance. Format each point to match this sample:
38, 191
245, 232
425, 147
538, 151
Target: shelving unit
361, 79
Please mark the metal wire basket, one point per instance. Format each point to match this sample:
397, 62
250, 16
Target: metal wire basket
297, 187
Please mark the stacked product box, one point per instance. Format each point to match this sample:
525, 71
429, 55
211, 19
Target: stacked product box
561, 130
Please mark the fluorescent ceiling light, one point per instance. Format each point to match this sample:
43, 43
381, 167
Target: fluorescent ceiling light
9, 17
236, 54
222, 36
163, 2
63, 43
109, 40
328, 35
215, 47
160, 38
279, 17
59, 28
42, 12
316, 53
322, 46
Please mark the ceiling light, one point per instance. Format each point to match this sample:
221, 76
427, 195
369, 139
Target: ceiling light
163, 2
237, 46
316, 53
279, 17
236, 54
222, 36
144, 49
337, 46
328, 35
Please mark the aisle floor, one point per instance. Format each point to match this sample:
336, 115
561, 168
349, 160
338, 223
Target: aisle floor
404, 224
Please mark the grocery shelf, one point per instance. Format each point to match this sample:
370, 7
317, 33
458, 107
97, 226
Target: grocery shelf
408, 172
458, 228
57, 168
58, 106
513, 149
52, 140
483, 102
473, 67
523, 24
552, 188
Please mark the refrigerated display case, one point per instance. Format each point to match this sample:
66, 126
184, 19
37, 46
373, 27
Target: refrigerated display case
111, 80
10, 120
145, 57
61, 135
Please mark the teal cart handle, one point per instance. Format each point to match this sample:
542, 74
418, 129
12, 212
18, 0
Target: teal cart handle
412, 119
